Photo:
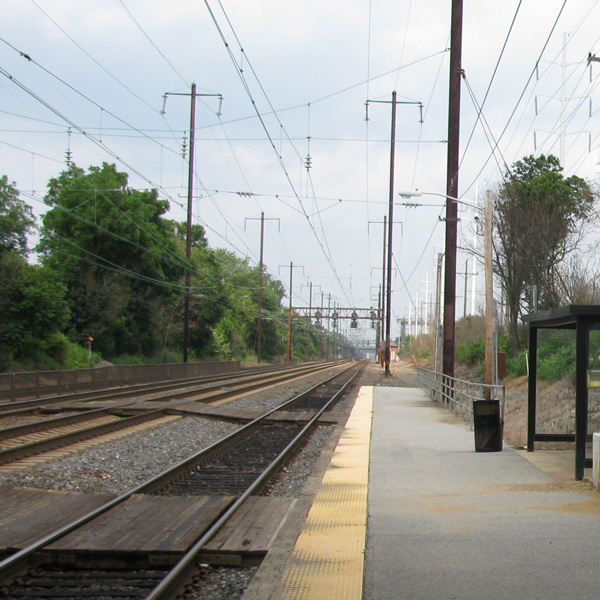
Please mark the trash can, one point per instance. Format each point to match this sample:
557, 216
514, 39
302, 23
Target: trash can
487, 426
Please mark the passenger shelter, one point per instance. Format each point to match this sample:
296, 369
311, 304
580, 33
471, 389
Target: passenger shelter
582, 318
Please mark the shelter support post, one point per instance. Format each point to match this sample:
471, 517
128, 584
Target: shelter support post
581, 396
532, 389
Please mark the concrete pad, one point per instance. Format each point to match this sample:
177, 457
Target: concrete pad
448, 522
557, 464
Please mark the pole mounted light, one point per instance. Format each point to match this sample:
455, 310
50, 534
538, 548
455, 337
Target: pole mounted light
489, 283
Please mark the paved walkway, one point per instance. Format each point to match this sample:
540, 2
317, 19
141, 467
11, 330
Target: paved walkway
446, 522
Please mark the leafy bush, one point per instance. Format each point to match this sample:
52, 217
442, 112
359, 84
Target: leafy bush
56, 346
556, 365
556, 355
133, 359
471, 354
516, 366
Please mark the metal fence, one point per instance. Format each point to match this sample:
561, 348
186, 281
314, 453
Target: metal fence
39, 384
457, 395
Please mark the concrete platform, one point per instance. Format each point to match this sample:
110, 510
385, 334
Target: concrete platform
442, 521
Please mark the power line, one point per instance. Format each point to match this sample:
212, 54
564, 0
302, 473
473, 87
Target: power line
514, 110
92, 58
85, 97
160, 52
240, 73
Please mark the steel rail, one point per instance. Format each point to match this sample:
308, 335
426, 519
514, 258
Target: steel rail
18, 560
52, 442
170, 584
7, 408
26, 450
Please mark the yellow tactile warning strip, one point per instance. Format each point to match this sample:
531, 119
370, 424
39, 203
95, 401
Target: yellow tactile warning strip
327, 561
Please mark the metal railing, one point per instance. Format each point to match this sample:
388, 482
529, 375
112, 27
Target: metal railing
38, 384
457, 395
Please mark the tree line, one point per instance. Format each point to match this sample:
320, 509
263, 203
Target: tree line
111, 269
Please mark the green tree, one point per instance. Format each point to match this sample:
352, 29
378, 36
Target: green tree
32, 307
16, 219
537, 218
32, 304
236, 332
209, 298
117, 256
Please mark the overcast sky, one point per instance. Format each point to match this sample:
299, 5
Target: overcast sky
295, 77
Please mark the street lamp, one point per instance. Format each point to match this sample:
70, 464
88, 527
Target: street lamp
489, 293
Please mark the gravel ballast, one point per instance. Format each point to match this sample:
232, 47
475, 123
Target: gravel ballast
120, 465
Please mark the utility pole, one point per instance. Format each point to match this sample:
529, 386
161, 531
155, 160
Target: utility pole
289, 337
310, 298
490, 313
452, 187
328, 322
260, 283
289, 340
466, 287
388, 288
321, 348
188, 239
260, 287
388, 301
379, 324
438, 291
380, 331
188, 244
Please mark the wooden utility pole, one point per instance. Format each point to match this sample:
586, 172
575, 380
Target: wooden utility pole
390, 225
380, 304
388, 301
289, 337
310, 312
188, 244
260, 287
260, 282
381, 335
452, 188
188, 241
490, 320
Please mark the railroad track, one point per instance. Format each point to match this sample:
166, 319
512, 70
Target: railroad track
226, 385
34, 438
228, 472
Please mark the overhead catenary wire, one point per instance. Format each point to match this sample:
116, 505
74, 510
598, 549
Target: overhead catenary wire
521, 95
245, 181
151, 41
85, 97
242, 77
77, 127
490, 83
80, 47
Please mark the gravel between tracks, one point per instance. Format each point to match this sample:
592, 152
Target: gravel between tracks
118, 466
